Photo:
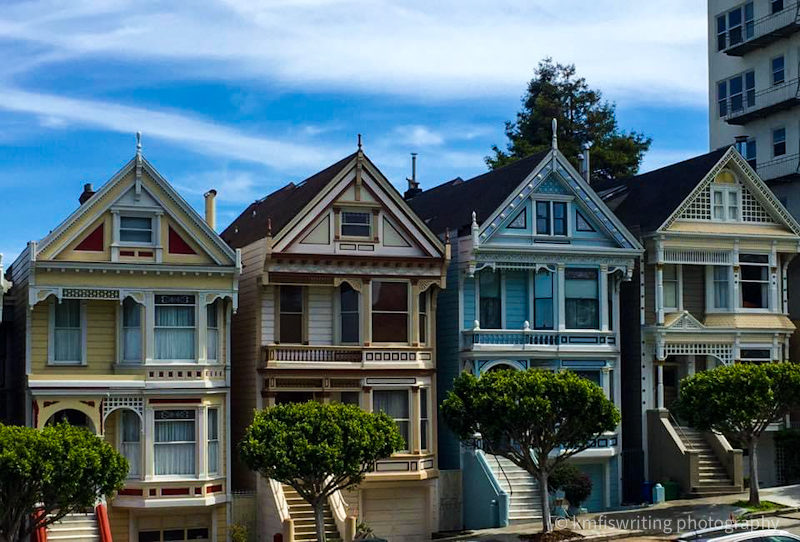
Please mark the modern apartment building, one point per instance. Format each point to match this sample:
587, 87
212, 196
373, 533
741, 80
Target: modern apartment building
754, 88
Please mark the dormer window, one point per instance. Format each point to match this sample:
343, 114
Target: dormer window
725, 204
551, 218
356, 224
136, 229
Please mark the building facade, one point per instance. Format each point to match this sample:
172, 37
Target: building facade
7, 387
122, 319
338, 304
754, 87
711, 290
534, 281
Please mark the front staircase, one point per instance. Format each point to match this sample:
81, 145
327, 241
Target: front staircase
75, 528
525, 499
303, 516
713, 477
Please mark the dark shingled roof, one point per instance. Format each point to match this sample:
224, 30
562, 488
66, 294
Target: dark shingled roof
280, 207
450, 205
647, 200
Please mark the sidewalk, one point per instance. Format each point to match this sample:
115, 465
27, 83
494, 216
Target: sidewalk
665, 520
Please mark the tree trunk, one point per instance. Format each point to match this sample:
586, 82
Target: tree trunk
752, 450
319, 518
547, 522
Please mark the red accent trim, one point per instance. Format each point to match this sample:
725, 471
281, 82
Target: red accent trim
88, 403
94, 242
174, 491
214, 489
46, 404
177, 245
152, 492
102, 519
131, 491
198, 490
127, 253
143, 253
40, 534
173, 401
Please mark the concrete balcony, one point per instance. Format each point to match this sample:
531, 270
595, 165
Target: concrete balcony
784, 168
529, 340
763, 31
345, 357
752, 106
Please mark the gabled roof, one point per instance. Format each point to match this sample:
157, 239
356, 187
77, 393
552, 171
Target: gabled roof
647, 200
451, 204
279, 207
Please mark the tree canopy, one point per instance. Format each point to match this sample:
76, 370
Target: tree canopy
583, 117
539, 411
58, 470
740, 400
318, 449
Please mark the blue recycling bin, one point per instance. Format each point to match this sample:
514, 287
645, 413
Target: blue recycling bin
647, 492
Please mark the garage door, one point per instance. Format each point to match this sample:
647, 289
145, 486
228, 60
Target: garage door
399, 515
596, 500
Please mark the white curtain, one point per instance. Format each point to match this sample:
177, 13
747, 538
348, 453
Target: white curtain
131, 445
67, 326
213, 440
721, 275
395, 404
174, 447
174, 333
131, 331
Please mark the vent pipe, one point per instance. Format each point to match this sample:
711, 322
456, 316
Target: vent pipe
211, 208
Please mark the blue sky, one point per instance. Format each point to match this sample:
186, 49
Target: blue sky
246, 95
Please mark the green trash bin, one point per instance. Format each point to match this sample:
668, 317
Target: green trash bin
672, 491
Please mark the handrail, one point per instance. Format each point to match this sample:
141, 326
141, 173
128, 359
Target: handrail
779, 167
280, 500
756, 26
684, 437
510, 487
763, 98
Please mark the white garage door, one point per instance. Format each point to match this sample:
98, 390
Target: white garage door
398, 515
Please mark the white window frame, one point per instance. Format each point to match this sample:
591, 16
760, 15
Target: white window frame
767, 347
121, 334
726, 191
710, 308
427, 315
51, 342
369, 223
152, 442
196, 327
410, 420
767, 265
550, 200
409, 319
217, 310
217, 470
678, 287
134, 214
142, 440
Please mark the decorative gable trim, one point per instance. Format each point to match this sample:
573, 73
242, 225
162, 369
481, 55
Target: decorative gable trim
94, 242
685, 321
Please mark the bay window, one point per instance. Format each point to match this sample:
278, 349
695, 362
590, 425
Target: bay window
423, 318
291, 319
491, 305
670, 284
349, 324
174, 447
394, 403
131, 441
212, 330
721, 281
581, 299
543, 300
67, 332
131, 331
213, 440
175, 327
754, 281
389, 312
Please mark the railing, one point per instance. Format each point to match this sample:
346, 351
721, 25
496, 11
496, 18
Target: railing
684, 437
511, 338
741, 107
738, 41
344, 354
784, 166
317, 353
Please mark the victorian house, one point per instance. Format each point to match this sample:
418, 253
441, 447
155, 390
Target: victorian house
534, 281
711, 291
122, 316
338, 304
6, 318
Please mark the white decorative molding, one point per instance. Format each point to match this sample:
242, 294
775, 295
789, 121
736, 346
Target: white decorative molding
695, 256
722, 351
116, 402
686, 321
355, 283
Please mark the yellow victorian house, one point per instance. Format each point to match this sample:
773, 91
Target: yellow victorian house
122, 318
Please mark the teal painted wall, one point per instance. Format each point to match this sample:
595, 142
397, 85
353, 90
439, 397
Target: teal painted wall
485, 503
516, 305
596, 501
616, 498
468, 298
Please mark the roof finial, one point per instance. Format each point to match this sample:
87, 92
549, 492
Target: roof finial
555, 134
359, 141
138, 142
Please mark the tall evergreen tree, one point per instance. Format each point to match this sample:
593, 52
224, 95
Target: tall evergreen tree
583, 117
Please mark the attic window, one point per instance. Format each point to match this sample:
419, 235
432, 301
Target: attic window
520, 222
356, 224
136, 229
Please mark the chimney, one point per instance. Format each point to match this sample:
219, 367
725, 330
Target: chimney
413, 185
88, 192
211, 208
587, 163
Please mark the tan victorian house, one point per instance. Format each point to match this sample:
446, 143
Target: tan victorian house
338, 303
122, 319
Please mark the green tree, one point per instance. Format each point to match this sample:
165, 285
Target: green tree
318, 449
583, 117
740, 400
58, 470
538, 411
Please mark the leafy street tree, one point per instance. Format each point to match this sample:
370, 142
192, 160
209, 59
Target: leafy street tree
741, 400
583, 117
58, 470
318, 449
525, 415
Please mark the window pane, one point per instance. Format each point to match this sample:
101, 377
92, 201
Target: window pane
395, 404
291, 328
350, 332
389, 296
67, 337
423, 413
131, 331
423, 318
356, 224
348, 298
490, 304
582, 314
174, 316
131, 436
291, 298
349, 312
135, 222
754, 295
213, 440
388, 327
197, 534
721, 283
582, 302
543, 218
543, 300
777, 5
559, 218
68, 313
174, 442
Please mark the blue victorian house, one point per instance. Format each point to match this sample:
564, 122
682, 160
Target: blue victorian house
537, 262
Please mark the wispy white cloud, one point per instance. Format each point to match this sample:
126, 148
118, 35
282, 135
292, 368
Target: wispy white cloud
442, 50
417, 136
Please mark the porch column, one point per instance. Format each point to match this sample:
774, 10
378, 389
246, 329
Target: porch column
660, 386
605, 374
560, 292
690, 365
366, 398
150, 468
604, 300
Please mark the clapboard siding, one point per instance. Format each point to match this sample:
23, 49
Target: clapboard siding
268, 315
694, 290
320, 315
650, 294
516, 299
468, 299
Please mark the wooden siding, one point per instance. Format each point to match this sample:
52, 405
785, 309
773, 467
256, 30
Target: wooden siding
320, 315
267, 315
649, 294
447, 362
119, 520
468, 299
516, 299
694, 290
